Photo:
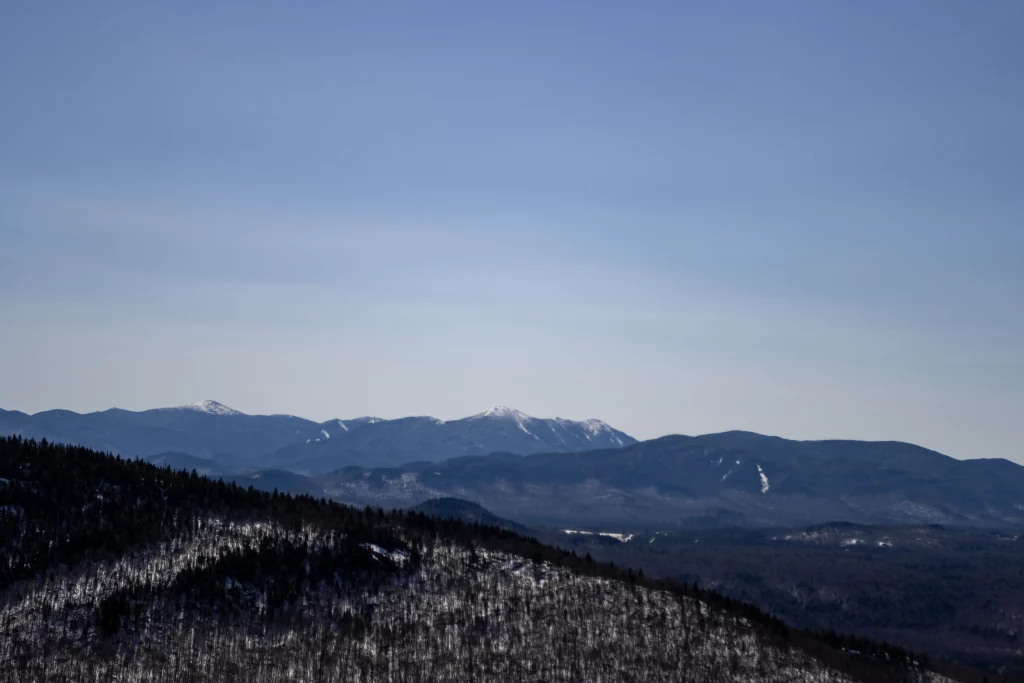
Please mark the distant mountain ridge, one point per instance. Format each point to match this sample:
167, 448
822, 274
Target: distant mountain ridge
456, 508
206, 429
581, 474
728, 479
234, 440
409, 439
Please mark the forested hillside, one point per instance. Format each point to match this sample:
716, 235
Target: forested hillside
119, 570
952, 593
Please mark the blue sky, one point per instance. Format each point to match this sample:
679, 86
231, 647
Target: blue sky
800, 218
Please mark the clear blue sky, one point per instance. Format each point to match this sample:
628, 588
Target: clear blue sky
800, 218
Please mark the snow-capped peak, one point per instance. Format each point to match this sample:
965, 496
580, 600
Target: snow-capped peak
211, 407
517, 416
502, 411
595, 426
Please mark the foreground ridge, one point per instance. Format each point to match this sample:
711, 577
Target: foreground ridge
165, 576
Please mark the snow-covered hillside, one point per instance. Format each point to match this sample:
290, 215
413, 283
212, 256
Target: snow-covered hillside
115, 570
464, 615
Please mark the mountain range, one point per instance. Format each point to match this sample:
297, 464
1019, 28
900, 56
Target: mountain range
727, 479
557, 473
230, 440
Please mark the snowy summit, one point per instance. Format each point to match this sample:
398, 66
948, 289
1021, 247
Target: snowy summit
596, 426
502, 411
211, 407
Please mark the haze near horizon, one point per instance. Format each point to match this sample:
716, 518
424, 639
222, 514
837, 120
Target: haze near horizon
798, 219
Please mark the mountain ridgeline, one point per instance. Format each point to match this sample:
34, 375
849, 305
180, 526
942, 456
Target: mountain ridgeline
556, 472
232, 441
114, 569
734, 479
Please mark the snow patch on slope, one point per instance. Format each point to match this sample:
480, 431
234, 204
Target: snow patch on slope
622, 538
